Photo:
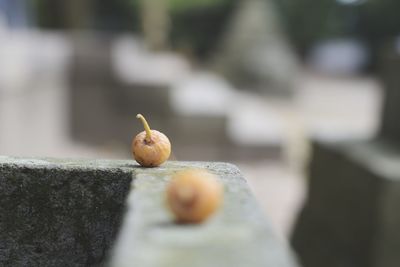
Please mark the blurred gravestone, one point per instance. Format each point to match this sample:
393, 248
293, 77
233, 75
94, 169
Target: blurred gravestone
90, 82
112, 79
254, 52
103, 104
351, 216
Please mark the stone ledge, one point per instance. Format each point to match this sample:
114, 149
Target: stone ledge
237, 235
58, 212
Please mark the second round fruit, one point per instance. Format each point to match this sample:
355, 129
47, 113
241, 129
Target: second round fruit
194, 195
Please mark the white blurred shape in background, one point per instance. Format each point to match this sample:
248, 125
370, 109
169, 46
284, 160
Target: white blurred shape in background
339, 57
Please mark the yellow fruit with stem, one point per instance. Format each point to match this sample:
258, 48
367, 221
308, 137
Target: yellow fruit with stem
150, 148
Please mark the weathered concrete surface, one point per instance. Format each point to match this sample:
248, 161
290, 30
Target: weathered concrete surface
60, 213
351, 216
68, 212
237, 235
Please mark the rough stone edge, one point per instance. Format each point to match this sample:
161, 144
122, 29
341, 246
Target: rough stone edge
123, 164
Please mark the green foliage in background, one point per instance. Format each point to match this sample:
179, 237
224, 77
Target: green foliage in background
180, 5
381, 18
199, 27
310, 21
99, 15
196, 25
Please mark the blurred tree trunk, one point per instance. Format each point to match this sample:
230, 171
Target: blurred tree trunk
155, 23
78, 13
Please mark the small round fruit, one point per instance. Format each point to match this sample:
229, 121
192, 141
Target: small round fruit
150, 148
193, 195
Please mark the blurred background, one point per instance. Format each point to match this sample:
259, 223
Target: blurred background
253, 82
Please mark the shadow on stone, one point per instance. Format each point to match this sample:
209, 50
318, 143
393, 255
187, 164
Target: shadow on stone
58, 216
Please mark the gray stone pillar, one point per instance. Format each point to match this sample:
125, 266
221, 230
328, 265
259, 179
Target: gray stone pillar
351, 218
351, 215
389, 72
